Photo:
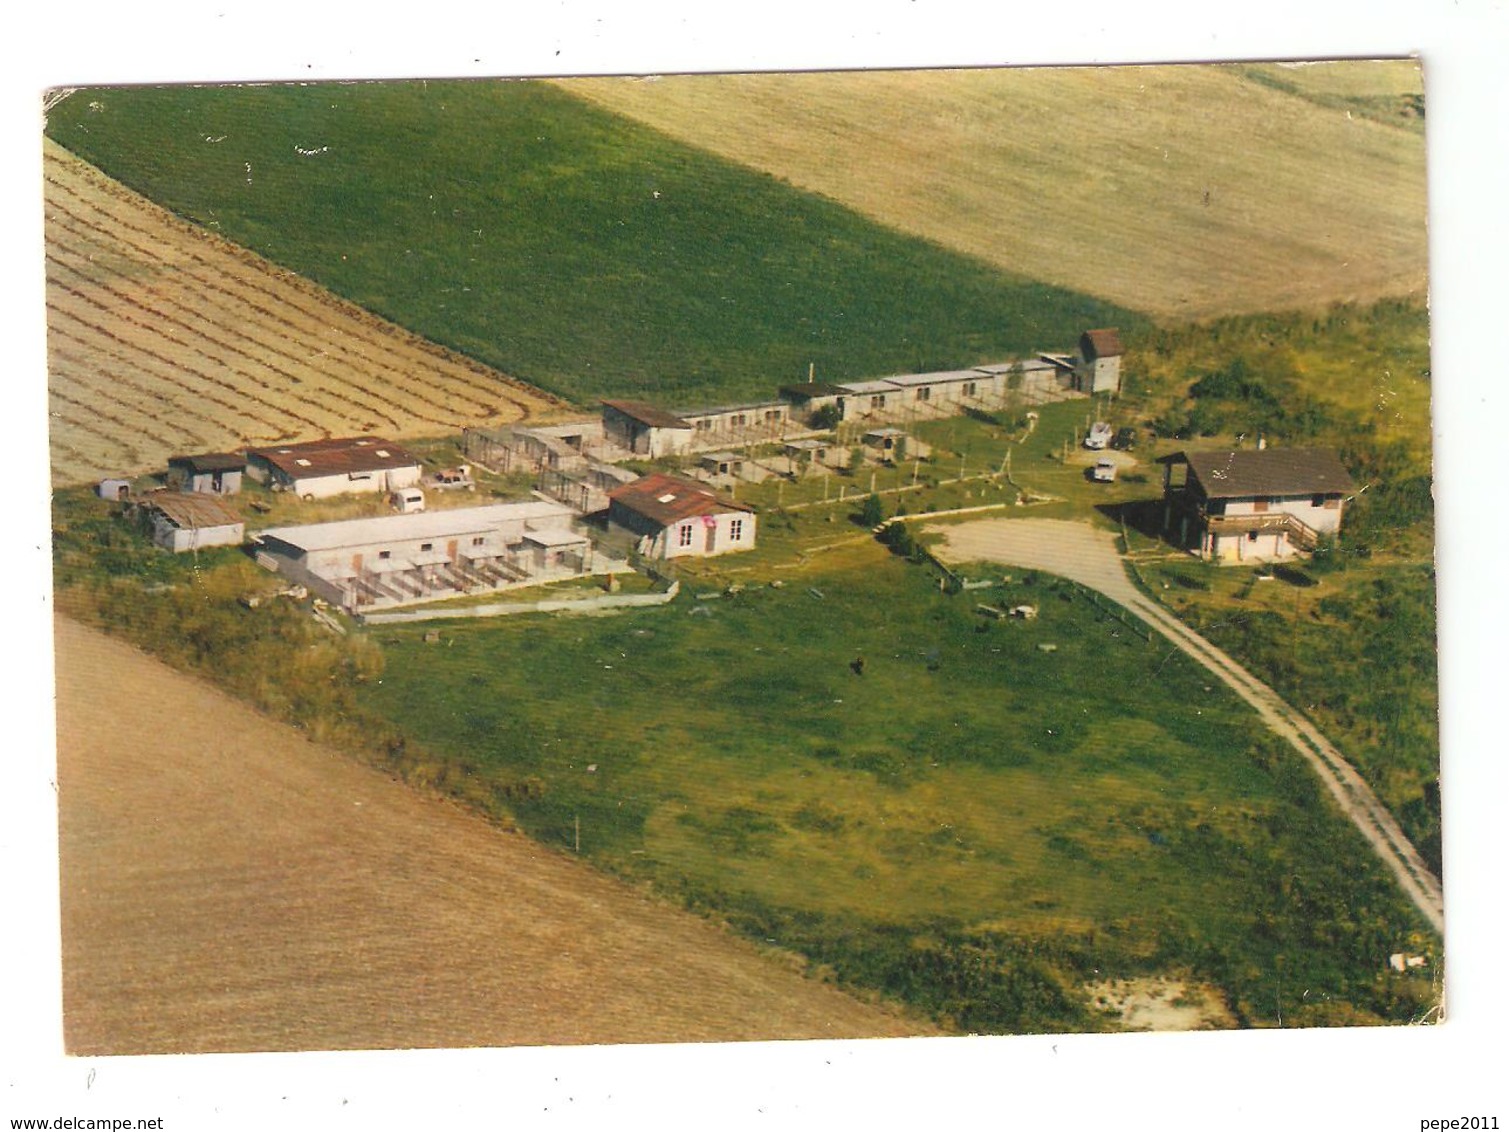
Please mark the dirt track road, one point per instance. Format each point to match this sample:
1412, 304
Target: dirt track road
1088, 556
229, 886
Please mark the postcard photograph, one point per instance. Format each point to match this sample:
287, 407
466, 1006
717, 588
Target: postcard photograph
707, 558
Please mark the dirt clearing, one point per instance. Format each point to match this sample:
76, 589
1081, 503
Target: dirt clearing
230, 886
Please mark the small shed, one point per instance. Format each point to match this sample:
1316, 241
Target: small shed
645, 430
807, 451
184, 521
1099, 367
722, 463
211, 473
885, 441
114, 488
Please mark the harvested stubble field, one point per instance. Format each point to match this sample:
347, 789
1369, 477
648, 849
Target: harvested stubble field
164, 338
246, 889
1182, 191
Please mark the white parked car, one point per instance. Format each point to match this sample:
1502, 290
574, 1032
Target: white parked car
1100, 436
1104, 470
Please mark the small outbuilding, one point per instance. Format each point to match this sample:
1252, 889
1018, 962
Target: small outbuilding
210, 473
645, 430
1098, 366
183, 521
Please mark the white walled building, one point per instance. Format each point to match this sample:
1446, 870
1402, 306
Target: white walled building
1255, 505
322, 468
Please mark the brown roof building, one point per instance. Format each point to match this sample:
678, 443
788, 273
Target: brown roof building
1098, 369
674, 517
1254, 504
322, 468
644, 429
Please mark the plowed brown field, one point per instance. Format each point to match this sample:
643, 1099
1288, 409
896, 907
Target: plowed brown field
164, 338
228, 885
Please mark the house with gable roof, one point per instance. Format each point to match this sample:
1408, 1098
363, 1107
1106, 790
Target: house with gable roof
672, 517
1253, 505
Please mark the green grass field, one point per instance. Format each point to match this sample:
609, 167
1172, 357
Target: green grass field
1102, 803
569, 247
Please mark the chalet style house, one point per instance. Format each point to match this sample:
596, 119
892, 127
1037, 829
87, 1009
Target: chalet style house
1257, 505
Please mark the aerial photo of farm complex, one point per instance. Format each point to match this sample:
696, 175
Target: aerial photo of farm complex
717, 558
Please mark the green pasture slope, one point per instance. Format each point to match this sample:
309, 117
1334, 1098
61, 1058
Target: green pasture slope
971, 824
576, 250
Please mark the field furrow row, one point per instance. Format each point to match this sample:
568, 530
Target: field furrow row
201, 426
189, 355
93, 343
185, 385
149, 426
195, 340
239, 311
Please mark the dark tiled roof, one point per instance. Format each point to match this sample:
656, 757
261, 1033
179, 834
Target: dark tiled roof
667, 499
647, 414
335, 456
1269, 471
1100, 344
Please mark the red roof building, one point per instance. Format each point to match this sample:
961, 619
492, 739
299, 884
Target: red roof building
672, 517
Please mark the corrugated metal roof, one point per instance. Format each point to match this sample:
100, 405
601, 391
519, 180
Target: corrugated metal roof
192, 511
334, 456
1267, 471
453, 523
665, 499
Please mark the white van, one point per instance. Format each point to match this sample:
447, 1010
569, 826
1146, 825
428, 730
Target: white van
407, 500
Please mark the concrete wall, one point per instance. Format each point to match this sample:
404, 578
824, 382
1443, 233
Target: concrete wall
508, 608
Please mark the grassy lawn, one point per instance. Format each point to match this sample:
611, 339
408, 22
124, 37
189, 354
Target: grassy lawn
1103, 804
563, 244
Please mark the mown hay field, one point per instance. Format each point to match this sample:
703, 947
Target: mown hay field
229, 885
1183, 191
164, 338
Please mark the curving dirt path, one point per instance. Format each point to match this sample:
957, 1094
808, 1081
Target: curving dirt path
228, 885
1088, 556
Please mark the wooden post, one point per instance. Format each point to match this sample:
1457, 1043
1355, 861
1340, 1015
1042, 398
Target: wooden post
576, 821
